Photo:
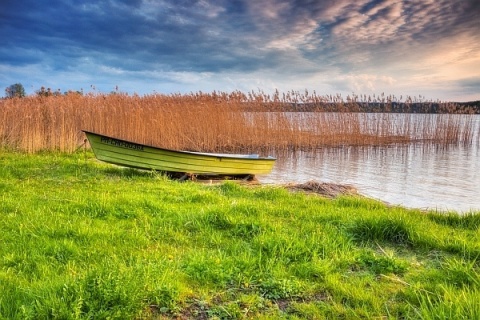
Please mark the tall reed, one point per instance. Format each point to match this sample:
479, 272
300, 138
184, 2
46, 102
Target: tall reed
226, 122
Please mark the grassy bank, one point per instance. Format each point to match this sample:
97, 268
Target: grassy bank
84, 240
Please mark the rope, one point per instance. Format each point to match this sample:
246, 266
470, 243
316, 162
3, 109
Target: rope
84, 144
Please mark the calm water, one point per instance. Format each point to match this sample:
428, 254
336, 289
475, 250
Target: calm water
415, 176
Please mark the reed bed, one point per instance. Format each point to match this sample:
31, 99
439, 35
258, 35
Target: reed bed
226, 122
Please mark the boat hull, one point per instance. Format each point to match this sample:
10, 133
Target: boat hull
135, 155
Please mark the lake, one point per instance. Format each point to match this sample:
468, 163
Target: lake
418, 175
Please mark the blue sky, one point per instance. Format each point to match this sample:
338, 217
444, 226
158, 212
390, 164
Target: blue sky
402, 47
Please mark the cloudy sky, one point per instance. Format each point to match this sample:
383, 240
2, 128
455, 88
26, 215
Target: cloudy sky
401, 47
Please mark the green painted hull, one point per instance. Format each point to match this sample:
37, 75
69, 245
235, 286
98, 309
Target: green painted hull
134, 155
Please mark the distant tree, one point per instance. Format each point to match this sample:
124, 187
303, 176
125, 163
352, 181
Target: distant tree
15, 90
71, 92
46, 92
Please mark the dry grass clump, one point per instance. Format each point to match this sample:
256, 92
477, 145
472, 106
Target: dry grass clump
219, 121
330, 190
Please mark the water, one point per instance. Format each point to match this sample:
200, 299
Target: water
419, 175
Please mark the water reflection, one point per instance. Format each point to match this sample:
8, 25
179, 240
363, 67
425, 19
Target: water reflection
416, 175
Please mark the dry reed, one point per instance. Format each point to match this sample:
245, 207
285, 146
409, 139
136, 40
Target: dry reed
224, 122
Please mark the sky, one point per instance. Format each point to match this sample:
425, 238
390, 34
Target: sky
427, 48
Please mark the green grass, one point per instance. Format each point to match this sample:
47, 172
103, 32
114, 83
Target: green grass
84, 240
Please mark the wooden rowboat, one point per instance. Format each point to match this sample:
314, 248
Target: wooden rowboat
140, 156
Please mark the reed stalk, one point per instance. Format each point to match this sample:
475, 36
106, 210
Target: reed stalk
227, 122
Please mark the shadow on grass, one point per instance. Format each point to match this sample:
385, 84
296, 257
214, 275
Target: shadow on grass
132, 173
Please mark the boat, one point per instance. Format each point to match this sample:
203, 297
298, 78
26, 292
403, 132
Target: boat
182, 164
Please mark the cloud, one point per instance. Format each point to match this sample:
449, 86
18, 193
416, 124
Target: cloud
371, 25
468, 84
343, 44
391, 30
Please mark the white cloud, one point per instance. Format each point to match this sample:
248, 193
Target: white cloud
379, 24
300, 36
362, 83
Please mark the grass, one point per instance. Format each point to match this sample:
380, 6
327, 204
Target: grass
84, 240
222, 122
